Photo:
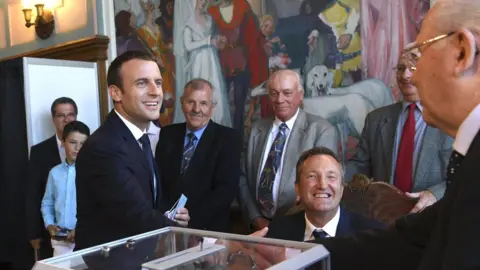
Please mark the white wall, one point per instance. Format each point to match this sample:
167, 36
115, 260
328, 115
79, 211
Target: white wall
74, 19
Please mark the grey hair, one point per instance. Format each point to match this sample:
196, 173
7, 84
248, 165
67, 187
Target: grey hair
297, 76
198, 84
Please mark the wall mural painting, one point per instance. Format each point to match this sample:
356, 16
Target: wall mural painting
236, 44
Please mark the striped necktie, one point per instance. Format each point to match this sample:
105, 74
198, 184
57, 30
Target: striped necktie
188, 152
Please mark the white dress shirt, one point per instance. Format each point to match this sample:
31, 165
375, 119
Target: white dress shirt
330, 228
273, 133
467, 131
153, 134
61, 149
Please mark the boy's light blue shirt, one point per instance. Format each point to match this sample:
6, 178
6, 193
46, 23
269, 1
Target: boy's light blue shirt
59, 204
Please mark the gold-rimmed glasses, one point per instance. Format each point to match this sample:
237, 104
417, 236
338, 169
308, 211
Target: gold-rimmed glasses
413, 53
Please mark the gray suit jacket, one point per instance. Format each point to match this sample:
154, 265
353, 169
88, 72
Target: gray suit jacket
308, 131
374, 153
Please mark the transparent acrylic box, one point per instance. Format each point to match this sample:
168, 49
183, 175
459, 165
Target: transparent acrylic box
181, 248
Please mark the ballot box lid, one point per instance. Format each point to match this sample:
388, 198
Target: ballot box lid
183, 248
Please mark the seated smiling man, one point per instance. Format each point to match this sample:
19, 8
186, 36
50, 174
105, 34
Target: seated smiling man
319, 185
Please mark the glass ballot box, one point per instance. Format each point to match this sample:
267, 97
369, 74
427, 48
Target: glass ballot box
181, 248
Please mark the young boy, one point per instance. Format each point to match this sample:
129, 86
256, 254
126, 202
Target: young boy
59, 204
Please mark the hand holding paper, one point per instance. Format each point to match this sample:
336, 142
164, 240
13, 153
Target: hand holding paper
182, 217
178, 212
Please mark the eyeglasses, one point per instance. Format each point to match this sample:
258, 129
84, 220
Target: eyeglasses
413, 52
63, 116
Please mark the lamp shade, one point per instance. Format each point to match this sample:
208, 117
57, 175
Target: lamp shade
39, 9
27, 12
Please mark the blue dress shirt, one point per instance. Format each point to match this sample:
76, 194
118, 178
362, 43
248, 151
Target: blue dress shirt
197, 133
59, 204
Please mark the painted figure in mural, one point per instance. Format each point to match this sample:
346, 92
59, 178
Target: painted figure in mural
275, 49
242, 54
196, 55
343, 17
150, 34
126, 33
165, 20
387, 26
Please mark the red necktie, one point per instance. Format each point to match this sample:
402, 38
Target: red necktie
404, 169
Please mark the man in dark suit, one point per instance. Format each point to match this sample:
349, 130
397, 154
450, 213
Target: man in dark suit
117, 182
397, 146
319, 186
43, 157
200, 159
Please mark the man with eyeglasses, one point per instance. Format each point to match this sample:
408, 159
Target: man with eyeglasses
445, 235
43, 157
398, 147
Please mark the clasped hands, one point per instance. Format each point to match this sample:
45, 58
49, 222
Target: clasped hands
53, 229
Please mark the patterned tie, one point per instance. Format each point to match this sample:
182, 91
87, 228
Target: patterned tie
265, 194
404, 166
453, 165
188, 152
147, 151
319, 234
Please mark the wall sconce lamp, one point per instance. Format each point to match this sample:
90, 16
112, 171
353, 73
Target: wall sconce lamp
44, 23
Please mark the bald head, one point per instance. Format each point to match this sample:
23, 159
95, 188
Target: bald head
447, 73
451, 15
286, 93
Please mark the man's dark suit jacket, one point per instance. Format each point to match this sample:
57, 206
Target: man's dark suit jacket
445, 235
292, 227
43, 157
211, 180
115, 197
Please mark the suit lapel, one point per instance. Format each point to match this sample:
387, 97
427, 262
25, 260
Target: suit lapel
344, 226
388, 129
260, 137
55, 152
298, 230
294, 144
428, 148
131, 144
176, 151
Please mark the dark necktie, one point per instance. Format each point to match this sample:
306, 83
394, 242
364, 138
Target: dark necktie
453, 165
265, 189
319, 234
406, 148
147, 151
188, 152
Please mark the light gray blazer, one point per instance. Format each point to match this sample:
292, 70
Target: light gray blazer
308, 131
374, 153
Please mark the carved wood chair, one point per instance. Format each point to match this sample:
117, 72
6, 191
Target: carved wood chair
377, 200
